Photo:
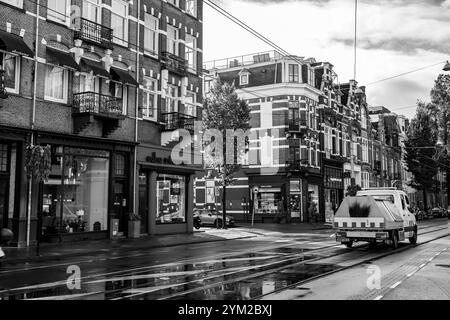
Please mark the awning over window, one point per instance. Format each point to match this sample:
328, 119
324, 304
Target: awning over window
14, 44
97, 68
61, 58
123, 76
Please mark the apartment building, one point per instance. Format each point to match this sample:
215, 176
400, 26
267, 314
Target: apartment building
301, 138
93, 79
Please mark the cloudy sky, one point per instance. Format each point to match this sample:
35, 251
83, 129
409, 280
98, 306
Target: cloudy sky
394, 37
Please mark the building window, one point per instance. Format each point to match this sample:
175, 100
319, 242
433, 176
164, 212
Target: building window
89, 83
190, 106
17, 3
119, 21
151, 34
176, 3
119, 91
57, 10
172, 40
191, 52
149, 98
243, 79
293, 73
311, 77
172, 99
170, 199
55, 84
120, 167
92, 10
191, 7
11, 67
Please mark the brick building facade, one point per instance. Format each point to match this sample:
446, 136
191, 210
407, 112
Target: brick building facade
91, 79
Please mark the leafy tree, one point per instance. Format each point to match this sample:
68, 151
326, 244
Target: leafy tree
223, 110
352, 190
440, 98
419, 145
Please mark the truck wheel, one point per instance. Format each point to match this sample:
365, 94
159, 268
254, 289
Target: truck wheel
394, 240
413, 239
349, 244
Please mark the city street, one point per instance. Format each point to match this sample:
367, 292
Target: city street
269, 265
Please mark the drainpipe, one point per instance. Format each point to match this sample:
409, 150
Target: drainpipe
136, 133
33, 120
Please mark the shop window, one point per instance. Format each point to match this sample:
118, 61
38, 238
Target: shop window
75, 200
171, 199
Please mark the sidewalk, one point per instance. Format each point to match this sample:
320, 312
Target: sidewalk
75, 249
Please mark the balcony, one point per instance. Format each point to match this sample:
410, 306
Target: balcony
88, 106
173, 63
243, 61
175, 120
94, 33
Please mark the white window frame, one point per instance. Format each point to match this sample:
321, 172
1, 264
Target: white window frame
194, 8
146, 95
171, 41
124, 96
193, 51
16, 88
95, 3
242, 77
96, 83
15, 3
65, 85
116, 40
172, 98
65, 15
295, 80
193, 105
155, 20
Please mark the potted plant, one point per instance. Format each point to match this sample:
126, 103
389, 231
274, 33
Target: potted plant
134, 226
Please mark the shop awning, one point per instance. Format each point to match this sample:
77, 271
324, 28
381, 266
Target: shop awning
123, 76
14, 44
97, 68
61, 58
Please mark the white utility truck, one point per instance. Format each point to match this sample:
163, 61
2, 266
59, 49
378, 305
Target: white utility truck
380, 215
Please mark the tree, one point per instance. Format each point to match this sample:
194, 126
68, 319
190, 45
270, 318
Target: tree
419, 145
223, 111
440, 98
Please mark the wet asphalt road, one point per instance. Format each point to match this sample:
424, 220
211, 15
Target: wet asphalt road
229, 270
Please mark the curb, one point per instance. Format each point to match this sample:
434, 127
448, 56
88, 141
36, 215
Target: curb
101, 251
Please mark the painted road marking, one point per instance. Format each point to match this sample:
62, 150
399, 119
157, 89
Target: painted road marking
378, 298
422, 265
395, 285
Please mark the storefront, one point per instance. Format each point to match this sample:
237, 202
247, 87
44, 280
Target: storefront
166, 193
88, 188
333, 190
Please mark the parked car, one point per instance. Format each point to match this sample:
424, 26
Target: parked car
420, 214
213, 218
438, 212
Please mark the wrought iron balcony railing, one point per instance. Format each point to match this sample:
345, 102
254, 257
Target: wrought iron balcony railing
175, 120
94, 32
91, 102
297, 125
174, 63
